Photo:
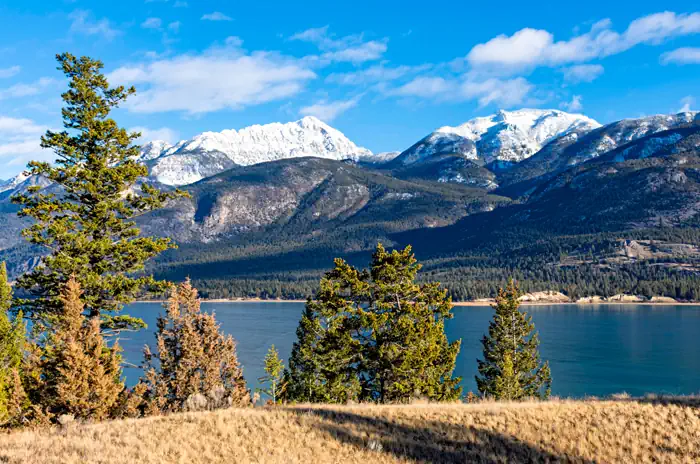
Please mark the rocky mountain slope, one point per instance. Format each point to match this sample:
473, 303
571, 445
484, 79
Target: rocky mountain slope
212, 152
306, 195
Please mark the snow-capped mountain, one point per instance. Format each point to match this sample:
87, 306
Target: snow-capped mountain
13, 183
574, 149
154, 149
379, 158
510, 136
212, 152
621, 132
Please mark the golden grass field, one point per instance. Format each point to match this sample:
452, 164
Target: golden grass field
628, 431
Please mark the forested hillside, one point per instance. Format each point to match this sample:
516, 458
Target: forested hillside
594, 211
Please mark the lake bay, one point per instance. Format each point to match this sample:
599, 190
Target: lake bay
593, 350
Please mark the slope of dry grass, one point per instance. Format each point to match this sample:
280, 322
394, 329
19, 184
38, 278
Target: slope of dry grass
557, 431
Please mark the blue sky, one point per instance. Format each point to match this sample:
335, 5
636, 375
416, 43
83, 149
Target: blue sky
384, 72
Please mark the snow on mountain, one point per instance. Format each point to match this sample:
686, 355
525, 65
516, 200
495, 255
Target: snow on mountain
13, 183
618, 133
154, 149
379, 158
212, 152
505, 136
20, 183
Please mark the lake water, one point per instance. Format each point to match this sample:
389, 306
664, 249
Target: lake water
593, 350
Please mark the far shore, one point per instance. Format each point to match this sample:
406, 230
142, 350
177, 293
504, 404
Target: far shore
461, 303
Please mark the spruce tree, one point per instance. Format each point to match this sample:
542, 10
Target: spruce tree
374, 335
274, 368
511, 368
85, 220
78, 373
407, 353
322, 365
193, 359
12, 334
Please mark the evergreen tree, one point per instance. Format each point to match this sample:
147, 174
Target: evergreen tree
407, 352
11, 345
322, 366
511, 368
374, 335
78, 374
86, 219
507, 382
193, 358
274, 368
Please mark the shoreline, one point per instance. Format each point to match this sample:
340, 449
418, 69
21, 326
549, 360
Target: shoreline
461, 303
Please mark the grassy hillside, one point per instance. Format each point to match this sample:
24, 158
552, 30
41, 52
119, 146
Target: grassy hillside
557, 431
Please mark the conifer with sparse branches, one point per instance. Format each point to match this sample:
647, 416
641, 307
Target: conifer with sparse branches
274, 368
74, 371
12, 333
192, 358
511, 368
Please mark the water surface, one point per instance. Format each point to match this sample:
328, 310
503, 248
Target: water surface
593, 350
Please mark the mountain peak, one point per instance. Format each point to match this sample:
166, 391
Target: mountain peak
310, 121
212, 152
504, 136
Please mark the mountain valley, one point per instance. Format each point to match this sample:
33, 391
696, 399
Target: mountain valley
552, 198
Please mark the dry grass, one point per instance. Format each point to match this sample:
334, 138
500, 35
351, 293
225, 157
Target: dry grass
559, 431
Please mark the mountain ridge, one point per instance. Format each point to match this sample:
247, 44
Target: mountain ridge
209, 153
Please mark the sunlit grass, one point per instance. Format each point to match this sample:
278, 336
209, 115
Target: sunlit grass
622, 430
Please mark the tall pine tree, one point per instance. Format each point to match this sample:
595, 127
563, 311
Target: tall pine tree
374, 335
86, 219
511, 368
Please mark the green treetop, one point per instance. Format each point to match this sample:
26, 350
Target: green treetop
511, 368
374, 335
86, 219
273, 368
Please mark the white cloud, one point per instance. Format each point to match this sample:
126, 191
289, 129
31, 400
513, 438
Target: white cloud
687, 102
152, 23
328, 110
174, 26
374, 74
685, 55
575, 105
216, 16
221, 77
26, 90
351, 48
164, 133
320, 37
180, 4
504, 93
529, 48
426, 87
83, 23
20, 142
9, 72
582, 73
368, 51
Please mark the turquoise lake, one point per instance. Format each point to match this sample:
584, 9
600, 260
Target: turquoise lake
592, 350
